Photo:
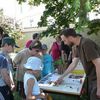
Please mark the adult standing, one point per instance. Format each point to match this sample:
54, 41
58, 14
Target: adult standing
66, 53
89, 54
55, 52
6, 78
20, 59
35, 38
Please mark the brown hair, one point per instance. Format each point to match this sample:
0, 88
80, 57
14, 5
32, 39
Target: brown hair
68, 32
36, 45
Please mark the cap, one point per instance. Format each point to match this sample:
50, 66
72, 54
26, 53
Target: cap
9, 41
44, 47
33, 63
28, 43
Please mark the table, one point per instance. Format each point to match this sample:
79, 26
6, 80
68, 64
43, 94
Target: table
72, 84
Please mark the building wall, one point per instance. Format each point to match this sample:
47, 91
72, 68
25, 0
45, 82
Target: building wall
28, 32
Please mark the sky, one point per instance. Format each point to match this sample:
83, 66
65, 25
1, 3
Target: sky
12, 9
9, 7
19, 12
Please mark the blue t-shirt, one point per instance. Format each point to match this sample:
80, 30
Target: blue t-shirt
3, 64
47, 64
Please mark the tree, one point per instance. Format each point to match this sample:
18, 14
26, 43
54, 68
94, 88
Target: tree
9, 26
60, 14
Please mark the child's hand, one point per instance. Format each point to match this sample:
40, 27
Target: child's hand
43, 96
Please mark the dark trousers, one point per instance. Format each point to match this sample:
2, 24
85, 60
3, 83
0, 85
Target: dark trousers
6, 93
92, 90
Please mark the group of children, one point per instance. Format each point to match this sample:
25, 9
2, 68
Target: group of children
31, 63
33, 55
44, 64
27, 64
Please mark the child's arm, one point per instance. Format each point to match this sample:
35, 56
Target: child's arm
30, 84
29, 96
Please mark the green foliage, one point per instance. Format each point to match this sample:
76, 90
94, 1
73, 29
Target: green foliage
9, 27
94, 26
17, 96
20, 1
60, 14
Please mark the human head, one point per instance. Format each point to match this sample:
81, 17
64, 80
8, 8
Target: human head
34, 64
44, 48
67, 35
35, 35
35, 48
8, 43
68, 32
35, 45
58, 38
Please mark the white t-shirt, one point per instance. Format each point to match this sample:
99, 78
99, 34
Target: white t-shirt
36, 89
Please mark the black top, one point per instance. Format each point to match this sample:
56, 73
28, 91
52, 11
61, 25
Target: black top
65, 48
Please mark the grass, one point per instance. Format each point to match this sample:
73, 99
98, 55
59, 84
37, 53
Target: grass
17, 96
